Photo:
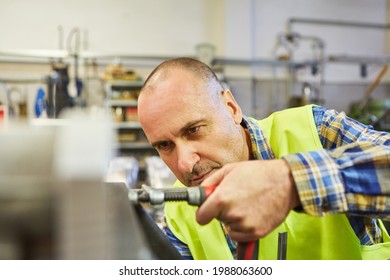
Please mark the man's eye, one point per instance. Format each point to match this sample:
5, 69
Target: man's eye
163, 146
193, 130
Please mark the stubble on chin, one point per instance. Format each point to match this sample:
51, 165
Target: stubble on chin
200, 170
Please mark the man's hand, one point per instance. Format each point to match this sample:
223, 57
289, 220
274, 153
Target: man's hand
252, 198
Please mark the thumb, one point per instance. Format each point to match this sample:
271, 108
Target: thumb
208, 210
214, 179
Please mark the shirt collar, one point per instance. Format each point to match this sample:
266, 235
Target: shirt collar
261, 148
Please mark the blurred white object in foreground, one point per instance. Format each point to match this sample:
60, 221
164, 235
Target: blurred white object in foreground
53, 202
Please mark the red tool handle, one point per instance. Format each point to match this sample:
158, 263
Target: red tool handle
209, 190
246, 250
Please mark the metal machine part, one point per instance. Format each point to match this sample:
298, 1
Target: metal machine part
156, 240
193, 195
133, 233
55, 206
196, 196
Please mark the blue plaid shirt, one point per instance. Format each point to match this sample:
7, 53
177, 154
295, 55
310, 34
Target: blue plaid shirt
350, 175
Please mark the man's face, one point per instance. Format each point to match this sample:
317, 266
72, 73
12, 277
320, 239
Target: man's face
193, 132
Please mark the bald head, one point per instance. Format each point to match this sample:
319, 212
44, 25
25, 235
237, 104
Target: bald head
201, 73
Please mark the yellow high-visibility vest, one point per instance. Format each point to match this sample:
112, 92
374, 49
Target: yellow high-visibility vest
308, 238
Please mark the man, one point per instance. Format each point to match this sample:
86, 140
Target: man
286, 173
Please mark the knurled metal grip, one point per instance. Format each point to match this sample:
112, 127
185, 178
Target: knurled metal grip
175, 195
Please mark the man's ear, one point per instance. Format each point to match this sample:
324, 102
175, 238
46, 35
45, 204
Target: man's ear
232, 106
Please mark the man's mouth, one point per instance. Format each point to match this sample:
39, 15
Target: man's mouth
199, 179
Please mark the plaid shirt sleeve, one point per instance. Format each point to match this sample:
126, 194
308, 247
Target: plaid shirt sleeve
350, 175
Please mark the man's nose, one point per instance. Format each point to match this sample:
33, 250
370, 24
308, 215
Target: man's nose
187, 158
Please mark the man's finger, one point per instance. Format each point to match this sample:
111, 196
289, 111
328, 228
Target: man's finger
241, 236
214, 179
207, 211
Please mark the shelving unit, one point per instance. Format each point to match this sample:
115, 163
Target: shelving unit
121, 96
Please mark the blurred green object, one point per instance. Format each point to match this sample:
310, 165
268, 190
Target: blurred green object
371, 113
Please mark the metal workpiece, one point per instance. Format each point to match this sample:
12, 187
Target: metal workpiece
192, 195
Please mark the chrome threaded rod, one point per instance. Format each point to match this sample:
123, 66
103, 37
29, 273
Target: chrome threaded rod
192, 195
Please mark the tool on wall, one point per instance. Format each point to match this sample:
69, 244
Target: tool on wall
74, 50
57, 87
60, 92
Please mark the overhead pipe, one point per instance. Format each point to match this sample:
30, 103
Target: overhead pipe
339, 23
353, 24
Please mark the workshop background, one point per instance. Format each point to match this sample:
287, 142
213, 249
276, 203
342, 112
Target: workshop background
70, 73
